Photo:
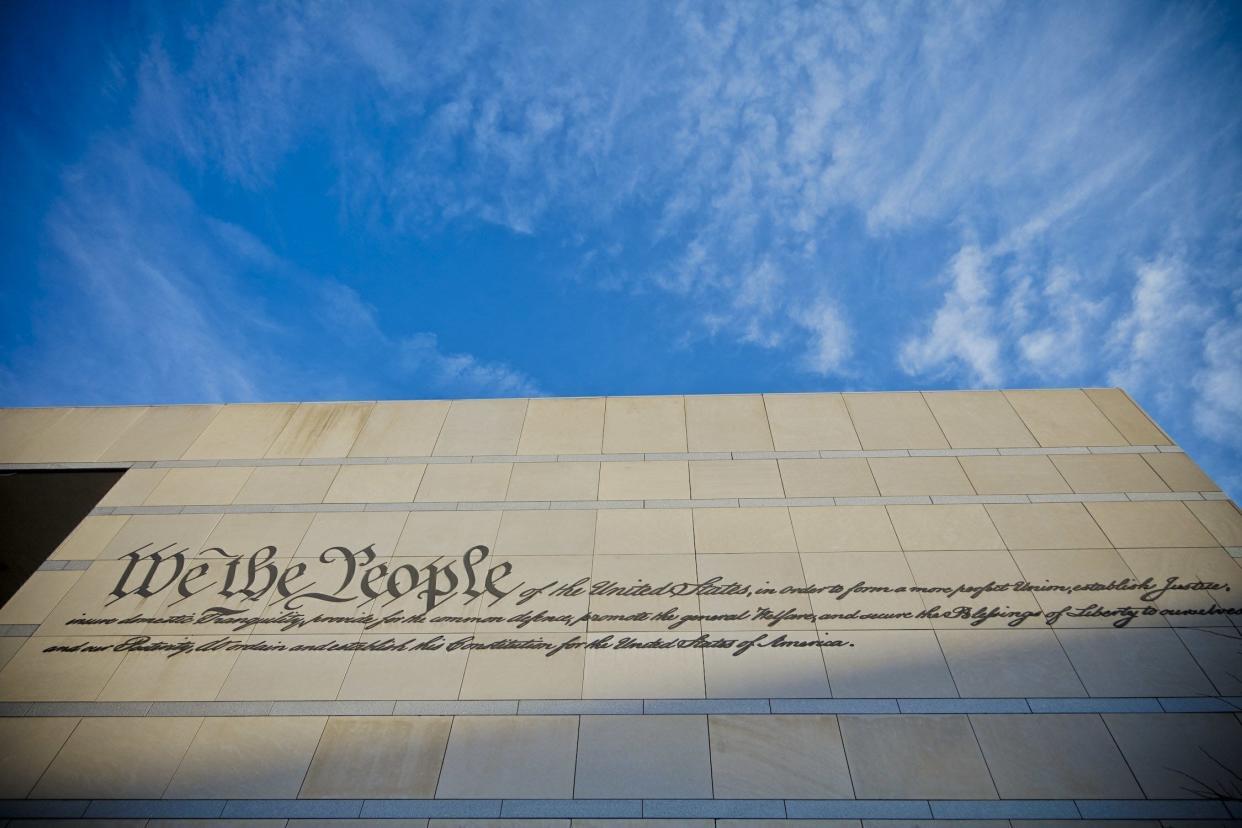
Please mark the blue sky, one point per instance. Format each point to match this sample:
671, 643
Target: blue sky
401, 200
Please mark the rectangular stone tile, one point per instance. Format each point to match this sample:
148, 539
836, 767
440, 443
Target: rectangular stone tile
732, 809
241, 432
320, 430
1014, 475
81, 434
644, 424
810, 421
1046, 526
554, 481
591, 812
27, 747
35, 675
1060, 756
163, 432
89, 538
888, 664
481, 427
287, 484
1064, 418
952, 570
1134, 662
909, 757
1208, 564
37, 597
1181, 756
780, 757
154, 676
448, 533
133, 488
1222, 519
563, 426
894, 421
1109, 473
627, 757
449, 482
524, 674
963, 706
353, 530
1127, 417
117, 758
401, 429
377, 757
644, 531
1008, 663
1115, 809
945, 527
827, 478
784, 664
803, 706
642, 672
743, 530
288, 674
1085, 567
978, 419
20, 426
920, 475
843, 528
578, 707
388, 809
1180, 473
613, 575
376, 483
734, 478
644, 480
837, 809
862, 610
426, 669
727, 423
1216, 653
247, 758
1150, 524
509, 756
568, 532
214, 486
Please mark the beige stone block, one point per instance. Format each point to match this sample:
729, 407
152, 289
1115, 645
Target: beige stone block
199, 487
563, 426
1053, 756
1071, 567
554, 481
164, 432
159, 676
944, 527
401, 429
288, 669
764, 529
978, 419
877, 569
1150, 524
36, 675
524, 674
1205, 564
1108, 473
1064, 417
843, 529
778, 757
20, 426
376, 484
1134, 662
650, 480
801, 422
288, 484
320, 430
1187, 756
117, 758
90, 597
241, 431
133, 488
9, 645
915, 757
734, 478
247, 758
919, 476
644, 531
1046, 526
37, 597
561, 532
378, 756
732, 423
510, 756
1221, 518
636, 757
1216, 653
449, 482
954, 570
888, 664
1180, 473
448, 533
569, 573
759, 572
1033, 474
89, 538
611, 572
643, 669
1127, 417
784, 664
849, 477
353, 530
481, 427
1011, 663
27, 747
644, 424
82, 434
894, 421
242, 534
426, 669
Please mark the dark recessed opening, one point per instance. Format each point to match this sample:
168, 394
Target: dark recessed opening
38, 510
